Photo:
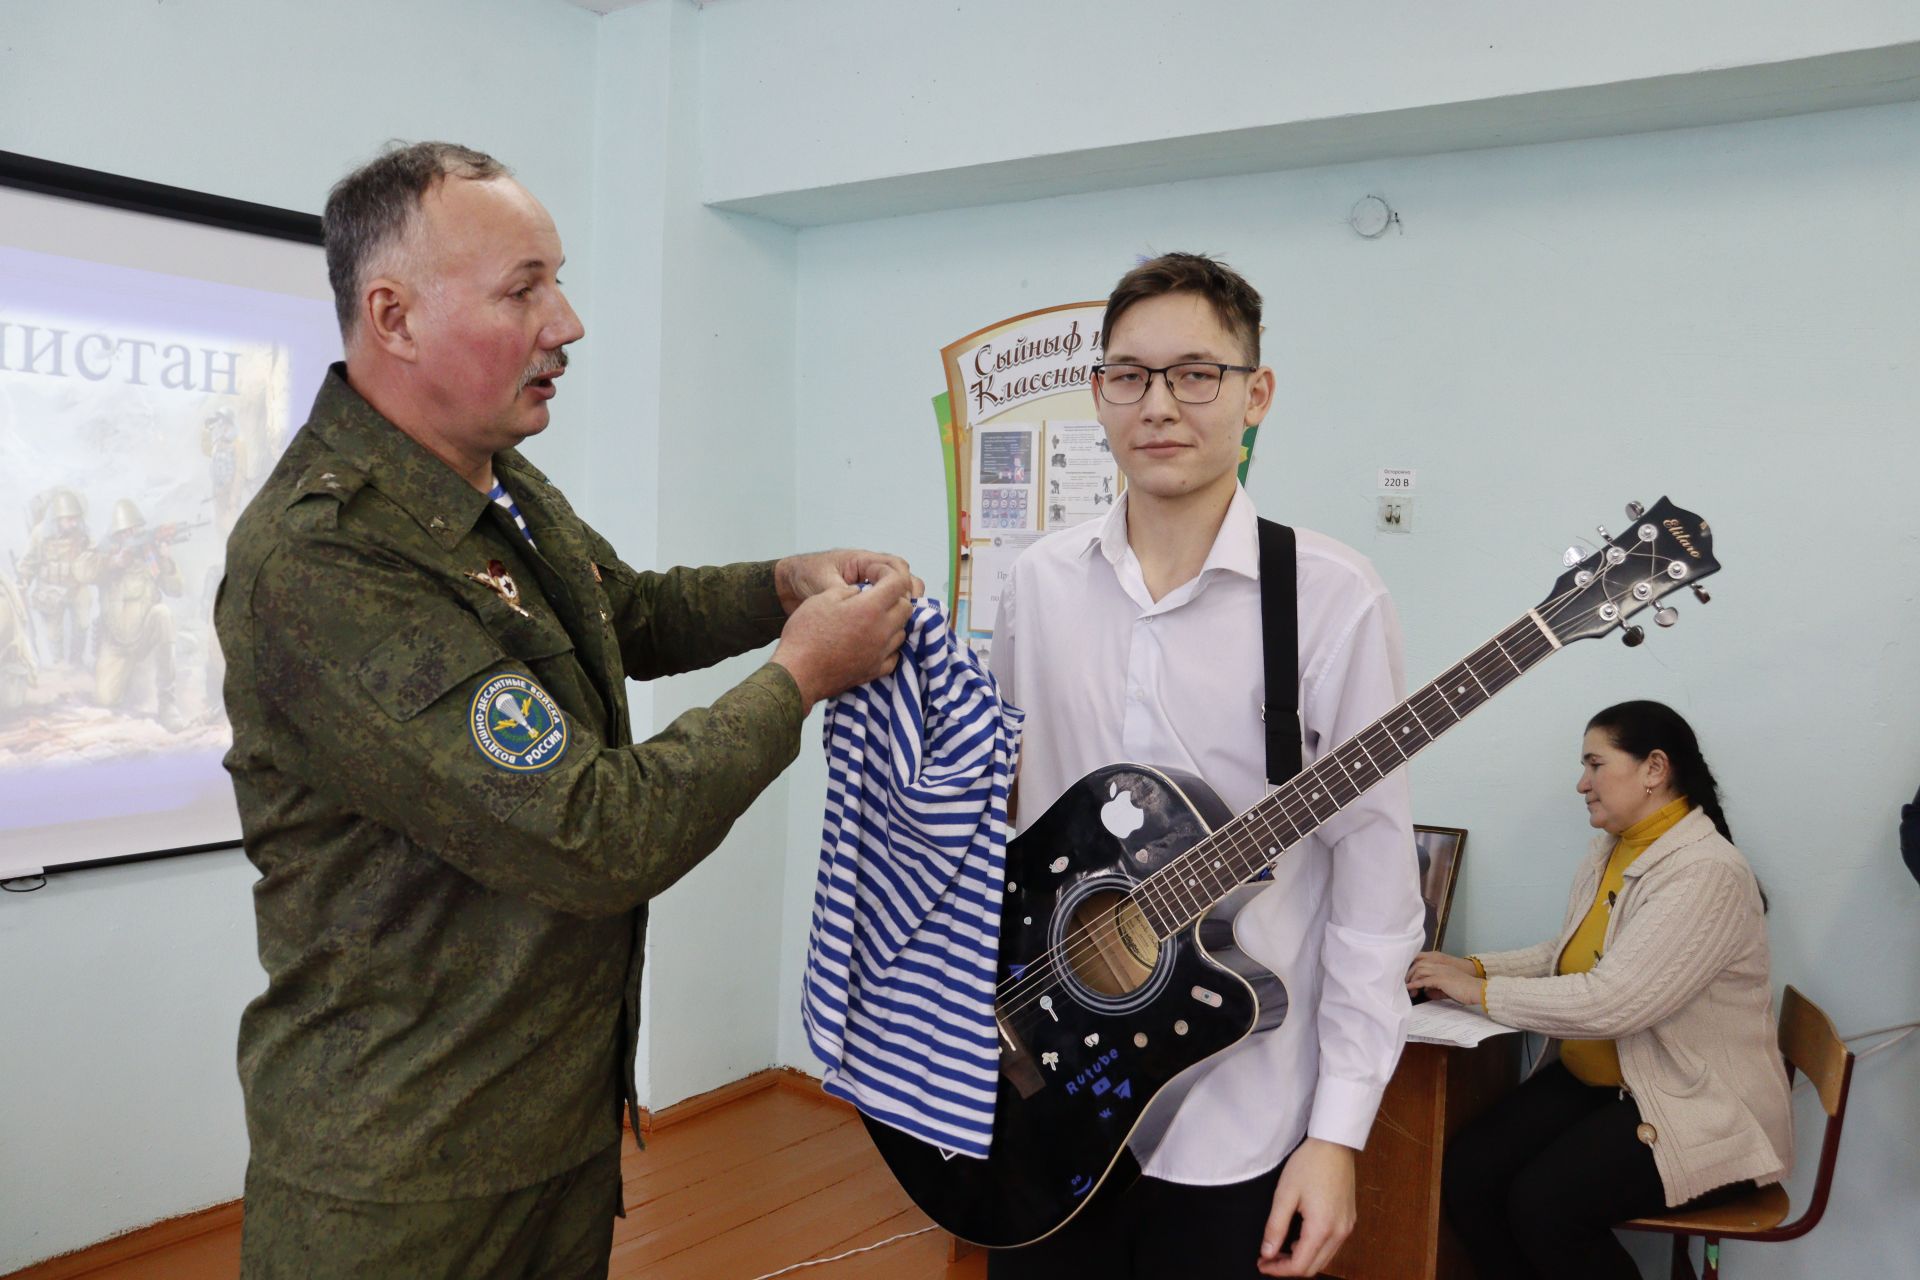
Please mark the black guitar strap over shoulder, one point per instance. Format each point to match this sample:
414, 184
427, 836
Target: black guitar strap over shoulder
1280, 639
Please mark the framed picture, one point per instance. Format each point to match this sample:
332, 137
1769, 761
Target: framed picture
1439, 850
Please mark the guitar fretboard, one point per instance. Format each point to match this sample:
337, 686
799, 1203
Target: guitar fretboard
1189, 886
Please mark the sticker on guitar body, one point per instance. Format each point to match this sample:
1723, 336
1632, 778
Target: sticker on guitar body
1090, 1073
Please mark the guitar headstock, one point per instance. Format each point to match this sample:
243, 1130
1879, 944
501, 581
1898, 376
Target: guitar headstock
1662, 550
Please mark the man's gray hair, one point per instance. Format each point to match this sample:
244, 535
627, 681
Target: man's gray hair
368, 211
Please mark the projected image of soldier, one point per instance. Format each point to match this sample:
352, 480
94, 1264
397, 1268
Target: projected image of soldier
18, 666
233, 455
135, 573
62, 604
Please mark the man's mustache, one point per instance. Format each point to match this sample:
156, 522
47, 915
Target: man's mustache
547, 368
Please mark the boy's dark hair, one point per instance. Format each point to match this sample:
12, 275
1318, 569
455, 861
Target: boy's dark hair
1234, 301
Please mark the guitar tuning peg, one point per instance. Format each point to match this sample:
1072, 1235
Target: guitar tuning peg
1635, 511
1602, 531
1574, 554
1700, 593
1667, 616
1632, 637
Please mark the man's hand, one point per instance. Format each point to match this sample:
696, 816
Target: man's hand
1451, 976
840, 636
798, 577
1317, 1184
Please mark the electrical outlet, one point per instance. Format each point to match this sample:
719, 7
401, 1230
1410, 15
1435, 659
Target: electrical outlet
1395, 514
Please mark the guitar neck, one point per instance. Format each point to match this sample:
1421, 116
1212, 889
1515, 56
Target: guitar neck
1194, 883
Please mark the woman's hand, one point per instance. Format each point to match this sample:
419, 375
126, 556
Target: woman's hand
1450, 976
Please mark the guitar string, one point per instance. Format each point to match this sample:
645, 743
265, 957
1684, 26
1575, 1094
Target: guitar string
1239, 843
1241, 839
1233, 838
1083, 943
1373, 734
1234, 841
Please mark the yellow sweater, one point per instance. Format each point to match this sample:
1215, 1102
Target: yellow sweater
1597, 1062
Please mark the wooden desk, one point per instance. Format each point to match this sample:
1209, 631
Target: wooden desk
1435, 1091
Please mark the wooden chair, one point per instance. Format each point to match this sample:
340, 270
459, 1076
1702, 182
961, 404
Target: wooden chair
1814, 1048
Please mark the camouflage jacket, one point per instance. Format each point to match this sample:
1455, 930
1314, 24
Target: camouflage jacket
455, 833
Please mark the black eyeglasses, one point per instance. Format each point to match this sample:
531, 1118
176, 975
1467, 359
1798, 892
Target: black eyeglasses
1195, 382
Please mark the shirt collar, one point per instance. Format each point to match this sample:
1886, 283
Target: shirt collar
426, 488
1236, 547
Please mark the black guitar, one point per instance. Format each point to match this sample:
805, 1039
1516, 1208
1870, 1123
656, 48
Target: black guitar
1119, 967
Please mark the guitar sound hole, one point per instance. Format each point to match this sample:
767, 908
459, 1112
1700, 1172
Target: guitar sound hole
1115, 948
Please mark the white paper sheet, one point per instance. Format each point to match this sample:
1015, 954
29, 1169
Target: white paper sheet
1445, 1022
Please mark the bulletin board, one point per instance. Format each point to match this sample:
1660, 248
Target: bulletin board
1025, 455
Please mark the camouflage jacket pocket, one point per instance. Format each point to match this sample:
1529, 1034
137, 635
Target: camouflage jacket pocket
423, 661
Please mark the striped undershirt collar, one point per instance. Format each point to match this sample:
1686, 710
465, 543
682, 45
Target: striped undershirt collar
504, 500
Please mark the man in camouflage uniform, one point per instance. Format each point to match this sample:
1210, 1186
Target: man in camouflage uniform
456, 835
134, 574
61, 601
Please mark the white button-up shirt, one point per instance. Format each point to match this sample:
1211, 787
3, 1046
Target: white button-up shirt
1105, 674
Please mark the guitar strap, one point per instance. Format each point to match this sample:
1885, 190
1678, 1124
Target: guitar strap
1280, 639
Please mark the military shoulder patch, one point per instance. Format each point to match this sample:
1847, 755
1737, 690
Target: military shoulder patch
517, 725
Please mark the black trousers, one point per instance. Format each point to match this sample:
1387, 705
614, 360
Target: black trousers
1153, 1230
1534, 1186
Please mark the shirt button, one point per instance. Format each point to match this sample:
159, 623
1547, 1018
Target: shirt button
1647, 1134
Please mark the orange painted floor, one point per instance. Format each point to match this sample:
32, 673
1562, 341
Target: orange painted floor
751, 1186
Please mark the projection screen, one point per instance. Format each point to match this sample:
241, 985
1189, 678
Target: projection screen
158, 348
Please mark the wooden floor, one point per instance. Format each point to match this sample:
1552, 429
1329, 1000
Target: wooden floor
734, 1192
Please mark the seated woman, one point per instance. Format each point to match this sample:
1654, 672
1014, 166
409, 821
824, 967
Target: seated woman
1669, 1087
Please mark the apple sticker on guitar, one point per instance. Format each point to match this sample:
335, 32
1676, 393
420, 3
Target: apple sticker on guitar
1120, 815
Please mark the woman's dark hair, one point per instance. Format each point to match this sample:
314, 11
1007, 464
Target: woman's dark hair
1641, 728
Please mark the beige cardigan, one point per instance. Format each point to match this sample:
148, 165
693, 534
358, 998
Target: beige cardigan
1684, 992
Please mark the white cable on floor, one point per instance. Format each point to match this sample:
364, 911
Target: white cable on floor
865, 1248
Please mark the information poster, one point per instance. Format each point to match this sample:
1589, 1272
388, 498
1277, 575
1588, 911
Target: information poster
1025, 455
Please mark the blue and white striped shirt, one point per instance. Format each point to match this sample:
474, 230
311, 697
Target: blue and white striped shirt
899, 985
504, 500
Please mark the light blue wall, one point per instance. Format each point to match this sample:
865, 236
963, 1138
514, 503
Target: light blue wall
1720, 314
714, 379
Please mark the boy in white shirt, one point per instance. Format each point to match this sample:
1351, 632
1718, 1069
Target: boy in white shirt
1138, 637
